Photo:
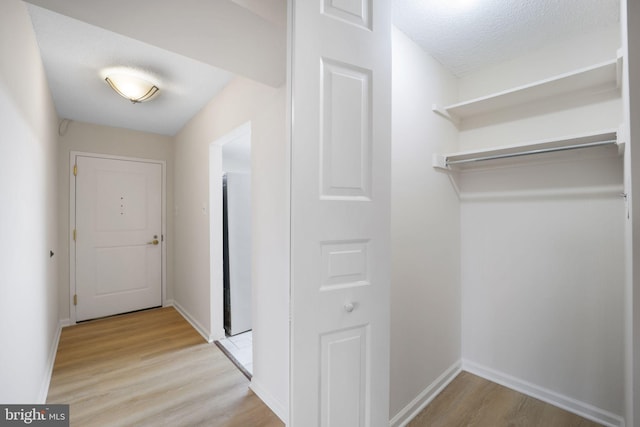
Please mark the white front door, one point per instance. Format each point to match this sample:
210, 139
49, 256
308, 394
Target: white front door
340, 213
118, 215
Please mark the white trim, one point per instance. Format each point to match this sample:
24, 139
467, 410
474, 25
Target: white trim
72, 221
72, 246
216, 280
425, 397
163, 240
189, 318
44, 388
277, 407
238, 132
567, 403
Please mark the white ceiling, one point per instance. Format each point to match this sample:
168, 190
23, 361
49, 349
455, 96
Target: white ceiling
193, 52
466, 35
75, 53
188, 45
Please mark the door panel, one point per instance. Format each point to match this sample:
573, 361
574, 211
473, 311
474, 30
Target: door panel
344, 378
340, 212
346, 130
118, 218
345, 264
118, 269
122, 202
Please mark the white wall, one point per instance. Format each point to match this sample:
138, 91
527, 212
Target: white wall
425, 231
90, 138
562, 116
241, 101
542, 285
543, 243
270, 261
631, 85
539, 246
28, 278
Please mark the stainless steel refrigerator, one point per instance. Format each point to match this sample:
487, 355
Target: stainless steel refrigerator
236, 206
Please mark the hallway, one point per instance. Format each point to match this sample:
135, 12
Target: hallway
150, 368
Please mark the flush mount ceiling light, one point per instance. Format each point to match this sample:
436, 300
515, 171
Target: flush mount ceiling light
134, 88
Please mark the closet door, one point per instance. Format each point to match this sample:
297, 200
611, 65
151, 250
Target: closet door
340, 207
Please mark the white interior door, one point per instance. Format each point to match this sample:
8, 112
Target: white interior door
118, 212
340, 212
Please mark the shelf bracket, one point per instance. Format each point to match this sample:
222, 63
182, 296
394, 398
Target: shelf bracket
619, 64
621, 137
439, 161
443, 113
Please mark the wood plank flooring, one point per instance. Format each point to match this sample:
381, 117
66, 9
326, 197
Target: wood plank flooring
153, 369
150, 368
473, 401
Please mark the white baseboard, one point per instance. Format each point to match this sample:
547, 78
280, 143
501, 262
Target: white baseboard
582, 409
277, 407
196, 325
409, 412
51, 359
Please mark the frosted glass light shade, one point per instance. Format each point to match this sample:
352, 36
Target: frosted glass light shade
132, 88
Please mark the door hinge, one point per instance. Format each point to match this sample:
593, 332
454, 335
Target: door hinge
75, 299
75, 170
74, 234
162, 238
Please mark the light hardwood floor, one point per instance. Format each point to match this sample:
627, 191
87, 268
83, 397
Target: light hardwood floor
473, 401
150, 368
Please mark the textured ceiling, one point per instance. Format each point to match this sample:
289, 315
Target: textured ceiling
192, 48
237, 36
75, 53
466, 35
188, 43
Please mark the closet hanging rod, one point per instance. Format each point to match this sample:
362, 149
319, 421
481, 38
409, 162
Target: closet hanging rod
529, 152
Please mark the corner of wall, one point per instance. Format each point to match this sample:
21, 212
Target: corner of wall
409, 412
278, 408
208, 336
425, 290
567, 403
44, 389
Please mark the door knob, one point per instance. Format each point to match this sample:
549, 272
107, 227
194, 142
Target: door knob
153, 242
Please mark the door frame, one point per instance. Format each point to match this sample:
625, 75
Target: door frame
216, 302
72, 222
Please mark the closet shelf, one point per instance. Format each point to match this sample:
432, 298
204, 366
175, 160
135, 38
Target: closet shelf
605, 75
455, 161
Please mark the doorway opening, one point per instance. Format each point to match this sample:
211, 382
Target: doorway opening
230, 219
